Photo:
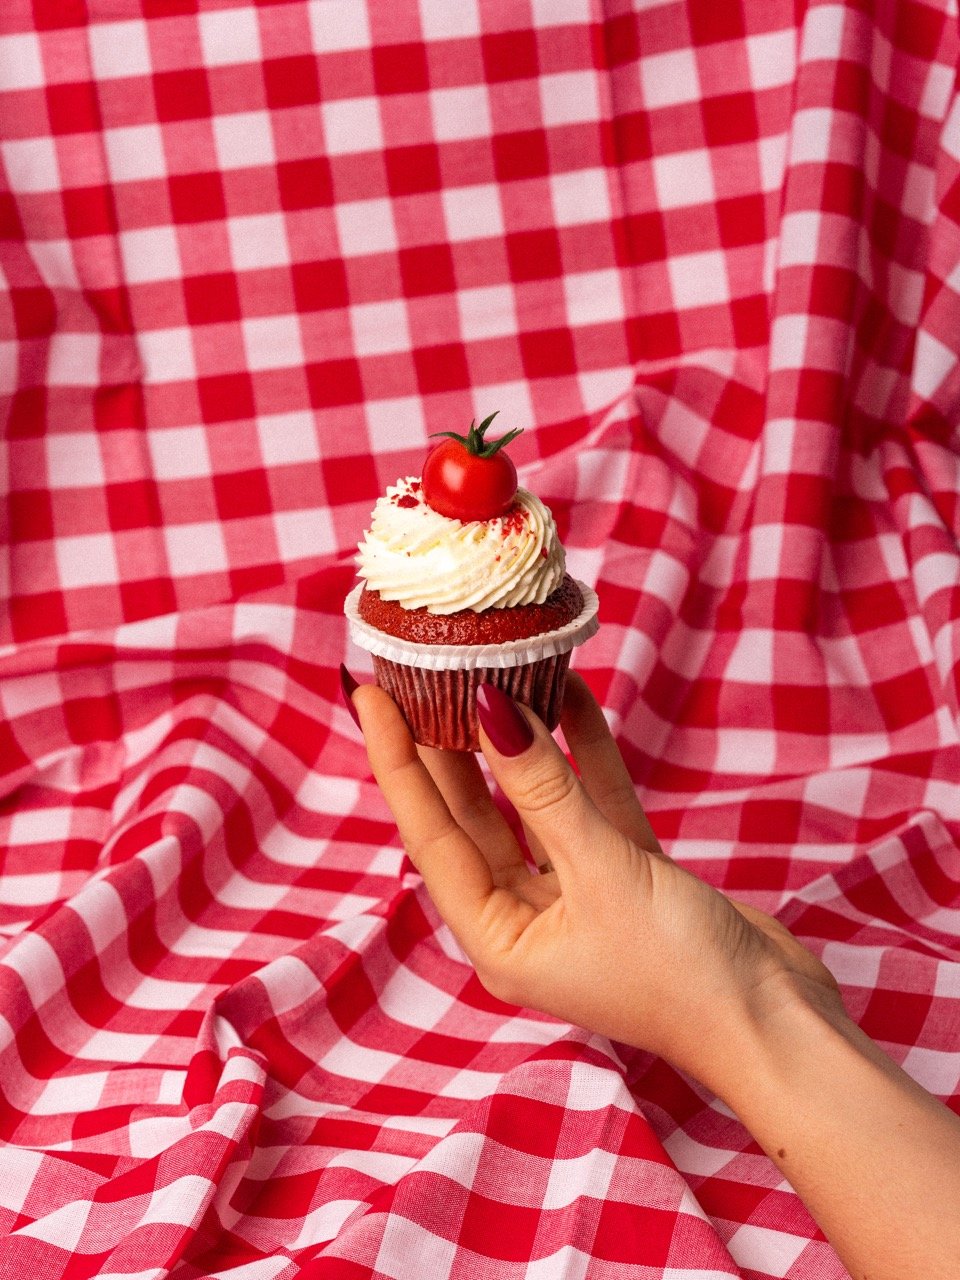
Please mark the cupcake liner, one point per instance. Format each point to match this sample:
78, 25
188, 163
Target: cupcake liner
435, 686
466, 657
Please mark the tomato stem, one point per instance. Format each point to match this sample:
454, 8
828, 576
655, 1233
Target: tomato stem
474, 442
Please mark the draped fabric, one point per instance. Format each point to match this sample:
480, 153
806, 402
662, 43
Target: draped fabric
708, 257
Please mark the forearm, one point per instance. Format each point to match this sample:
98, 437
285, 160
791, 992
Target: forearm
875, 1158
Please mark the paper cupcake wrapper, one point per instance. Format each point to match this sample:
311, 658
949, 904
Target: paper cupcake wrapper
468, 657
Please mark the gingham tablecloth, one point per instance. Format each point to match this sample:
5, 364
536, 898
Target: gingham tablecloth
708, 256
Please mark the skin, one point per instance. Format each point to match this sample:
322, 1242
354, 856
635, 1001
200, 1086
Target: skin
620, 940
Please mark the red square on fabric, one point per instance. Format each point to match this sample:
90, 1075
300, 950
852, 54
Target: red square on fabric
352, 479
534, 255
11, 228
509, 55
72, 108
334, 382
412, 169
521, 155
426, 269
896, 1016
225, 397
34, 311
33, 616
53, 17
88, 211
132, 504
621, 39
197, 197
442, 368
305, 184
400, 68
710, 23
729, 118
742, 220
182, 95
30, 512
320, 286
211, 299
645, 237
801, 708
751, 321
654, 336
548, 353
242, 493
27, 415
498, 1229
147, 599
631, 137
631, 1233
291, 82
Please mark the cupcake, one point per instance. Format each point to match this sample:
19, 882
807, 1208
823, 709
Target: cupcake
463, 582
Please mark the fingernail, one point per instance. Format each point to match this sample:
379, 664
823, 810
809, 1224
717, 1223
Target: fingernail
503, 722
347, 686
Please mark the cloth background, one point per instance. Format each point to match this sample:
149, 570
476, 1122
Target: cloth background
708, 256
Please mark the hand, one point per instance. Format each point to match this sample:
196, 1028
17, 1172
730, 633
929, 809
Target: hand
614, 937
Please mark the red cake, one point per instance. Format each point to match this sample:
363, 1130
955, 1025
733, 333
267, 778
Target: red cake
464, 582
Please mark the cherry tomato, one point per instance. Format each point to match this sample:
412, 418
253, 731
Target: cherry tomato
466, 478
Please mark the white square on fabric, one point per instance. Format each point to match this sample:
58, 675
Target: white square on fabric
304, 533
772, 57
21, 66
243, 140
472, 213
273, 342
580, 197
779, 440
461, 112
765, 552
766, 1249
800, 237
73, 459
772, 158
119, 49
366, 226
149, 254
751, 751
31, 164
259, 240
73, 360
335, 27
351, 125
441, 20
698, 279
751, 661
586, 1175
593, 297
404, 1241
196, 548
179, 453
669, 78
288, 438
383, 418
86, 560
569, 97
823, 37
379, 327
788, 341
563, 13
229, 36
167, 354
810, 140
135, 152
683, 179
487, 313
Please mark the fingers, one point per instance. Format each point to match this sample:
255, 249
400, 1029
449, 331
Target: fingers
538, 781
459, 779
602, 770
454, 870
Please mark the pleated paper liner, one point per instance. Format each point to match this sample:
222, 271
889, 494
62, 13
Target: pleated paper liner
435, 686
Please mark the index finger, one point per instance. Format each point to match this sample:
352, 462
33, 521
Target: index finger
454, 870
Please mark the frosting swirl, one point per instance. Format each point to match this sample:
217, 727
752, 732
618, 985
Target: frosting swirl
422, 559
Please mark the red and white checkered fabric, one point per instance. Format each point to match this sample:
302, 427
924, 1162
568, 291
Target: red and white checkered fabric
708, 255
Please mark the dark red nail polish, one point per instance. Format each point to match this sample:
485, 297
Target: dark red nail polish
503, 722
347, 686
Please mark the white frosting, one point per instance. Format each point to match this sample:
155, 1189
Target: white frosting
416, 556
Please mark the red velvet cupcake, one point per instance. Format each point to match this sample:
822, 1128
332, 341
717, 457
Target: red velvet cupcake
464, 583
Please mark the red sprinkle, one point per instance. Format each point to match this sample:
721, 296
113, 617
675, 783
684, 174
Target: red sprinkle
514, 519
408, 500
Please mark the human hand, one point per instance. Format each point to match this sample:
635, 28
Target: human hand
614, 937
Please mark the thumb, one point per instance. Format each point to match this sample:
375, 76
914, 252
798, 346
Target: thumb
538, 781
